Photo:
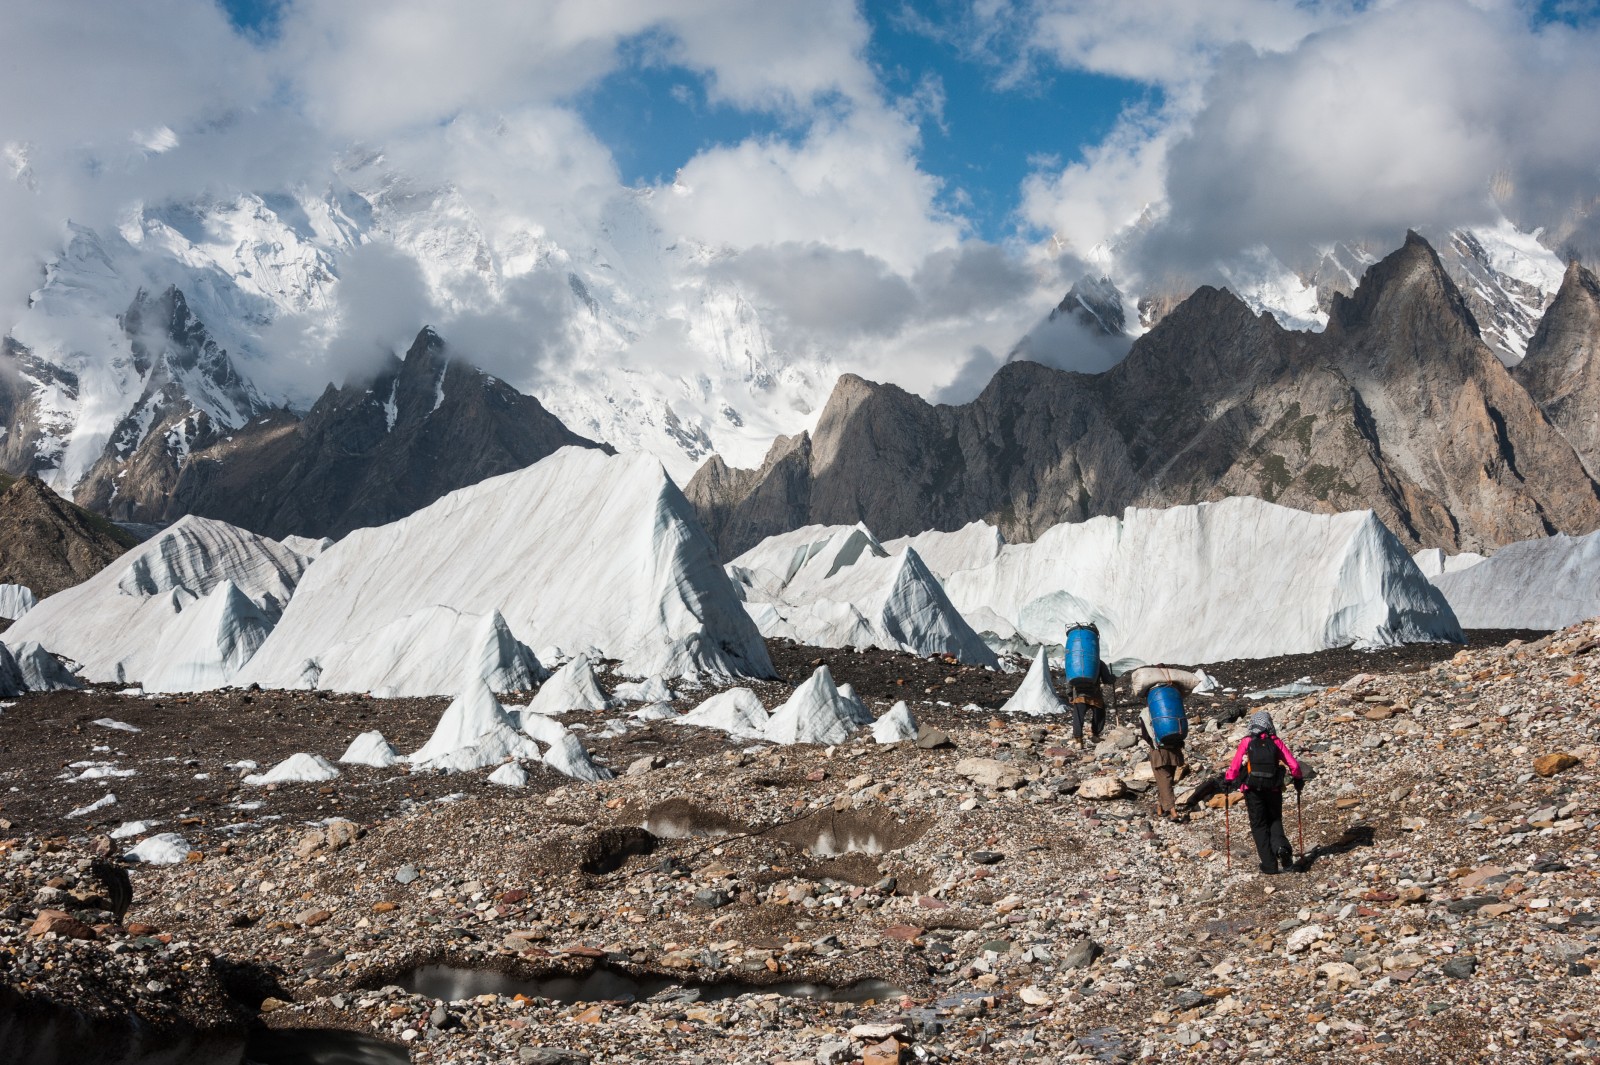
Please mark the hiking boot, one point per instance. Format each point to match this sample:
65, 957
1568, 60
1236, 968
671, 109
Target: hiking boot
1286, 859
1269, 868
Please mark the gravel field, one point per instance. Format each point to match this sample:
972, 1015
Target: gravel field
959, 898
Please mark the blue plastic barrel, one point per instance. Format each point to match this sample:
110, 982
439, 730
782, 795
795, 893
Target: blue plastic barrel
1083, 655
1167, 719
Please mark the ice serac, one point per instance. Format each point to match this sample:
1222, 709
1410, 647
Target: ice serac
975, 544
15, 601
1562, 370
370, 749
1398, 406
581, 549
116, 625
1036, 695
1237, 579
737, 711
11, 679
1547, 583
569, 757
204, 647
474, 731
1434, 562
302, 768
41, 671
838, 587
896, 725
818, 711
510, 775
572, 687
425, 653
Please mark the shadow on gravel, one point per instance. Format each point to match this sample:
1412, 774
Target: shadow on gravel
1357, 835
830, 832
680, 819
451, 983
320, 1046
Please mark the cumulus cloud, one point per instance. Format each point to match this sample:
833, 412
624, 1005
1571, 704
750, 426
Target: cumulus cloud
1325, 122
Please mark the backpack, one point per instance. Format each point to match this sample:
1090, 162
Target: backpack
1263, 764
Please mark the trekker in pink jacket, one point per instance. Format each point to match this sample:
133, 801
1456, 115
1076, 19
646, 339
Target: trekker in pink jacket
1257, 770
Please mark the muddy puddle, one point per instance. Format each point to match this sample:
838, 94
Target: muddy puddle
453, 984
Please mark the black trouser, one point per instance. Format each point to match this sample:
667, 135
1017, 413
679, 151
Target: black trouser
1092, 706
1266, 825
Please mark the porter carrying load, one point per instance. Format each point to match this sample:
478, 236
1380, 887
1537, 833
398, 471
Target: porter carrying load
1086, 676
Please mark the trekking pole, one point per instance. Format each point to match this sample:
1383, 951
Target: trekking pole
1300, 821
1227, 830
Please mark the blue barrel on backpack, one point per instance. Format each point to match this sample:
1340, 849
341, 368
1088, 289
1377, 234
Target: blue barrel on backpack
1167, 718
1083, 655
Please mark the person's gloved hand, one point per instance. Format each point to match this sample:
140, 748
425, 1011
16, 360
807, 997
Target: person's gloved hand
1298, 784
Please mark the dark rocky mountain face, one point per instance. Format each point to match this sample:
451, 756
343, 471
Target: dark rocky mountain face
369, 454
49, 544
193, 395
1398, 406
1562, 370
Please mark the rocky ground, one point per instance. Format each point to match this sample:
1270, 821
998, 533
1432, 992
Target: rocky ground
1445, 909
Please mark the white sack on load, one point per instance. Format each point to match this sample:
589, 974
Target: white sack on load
1146, 677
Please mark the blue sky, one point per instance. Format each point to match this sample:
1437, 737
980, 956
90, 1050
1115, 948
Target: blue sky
981, 141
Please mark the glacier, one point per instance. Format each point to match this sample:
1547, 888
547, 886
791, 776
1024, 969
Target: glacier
581, 548
1531, 584
837, 586
128, 622
1239, 578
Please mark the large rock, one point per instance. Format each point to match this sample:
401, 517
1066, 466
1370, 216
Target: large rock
989, 773
1398, 406
581, 549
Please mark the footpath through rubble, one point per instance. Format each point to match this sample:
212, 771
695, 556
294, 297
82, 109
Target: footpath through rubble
960, 897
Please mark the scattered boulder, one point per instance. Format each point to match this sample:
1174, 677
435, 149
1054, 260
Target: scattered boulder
988, 773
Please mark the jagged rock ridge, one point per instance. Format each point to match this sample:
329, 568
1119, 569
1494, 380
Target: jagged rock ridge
1398, 406
366, 454
1562, 370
